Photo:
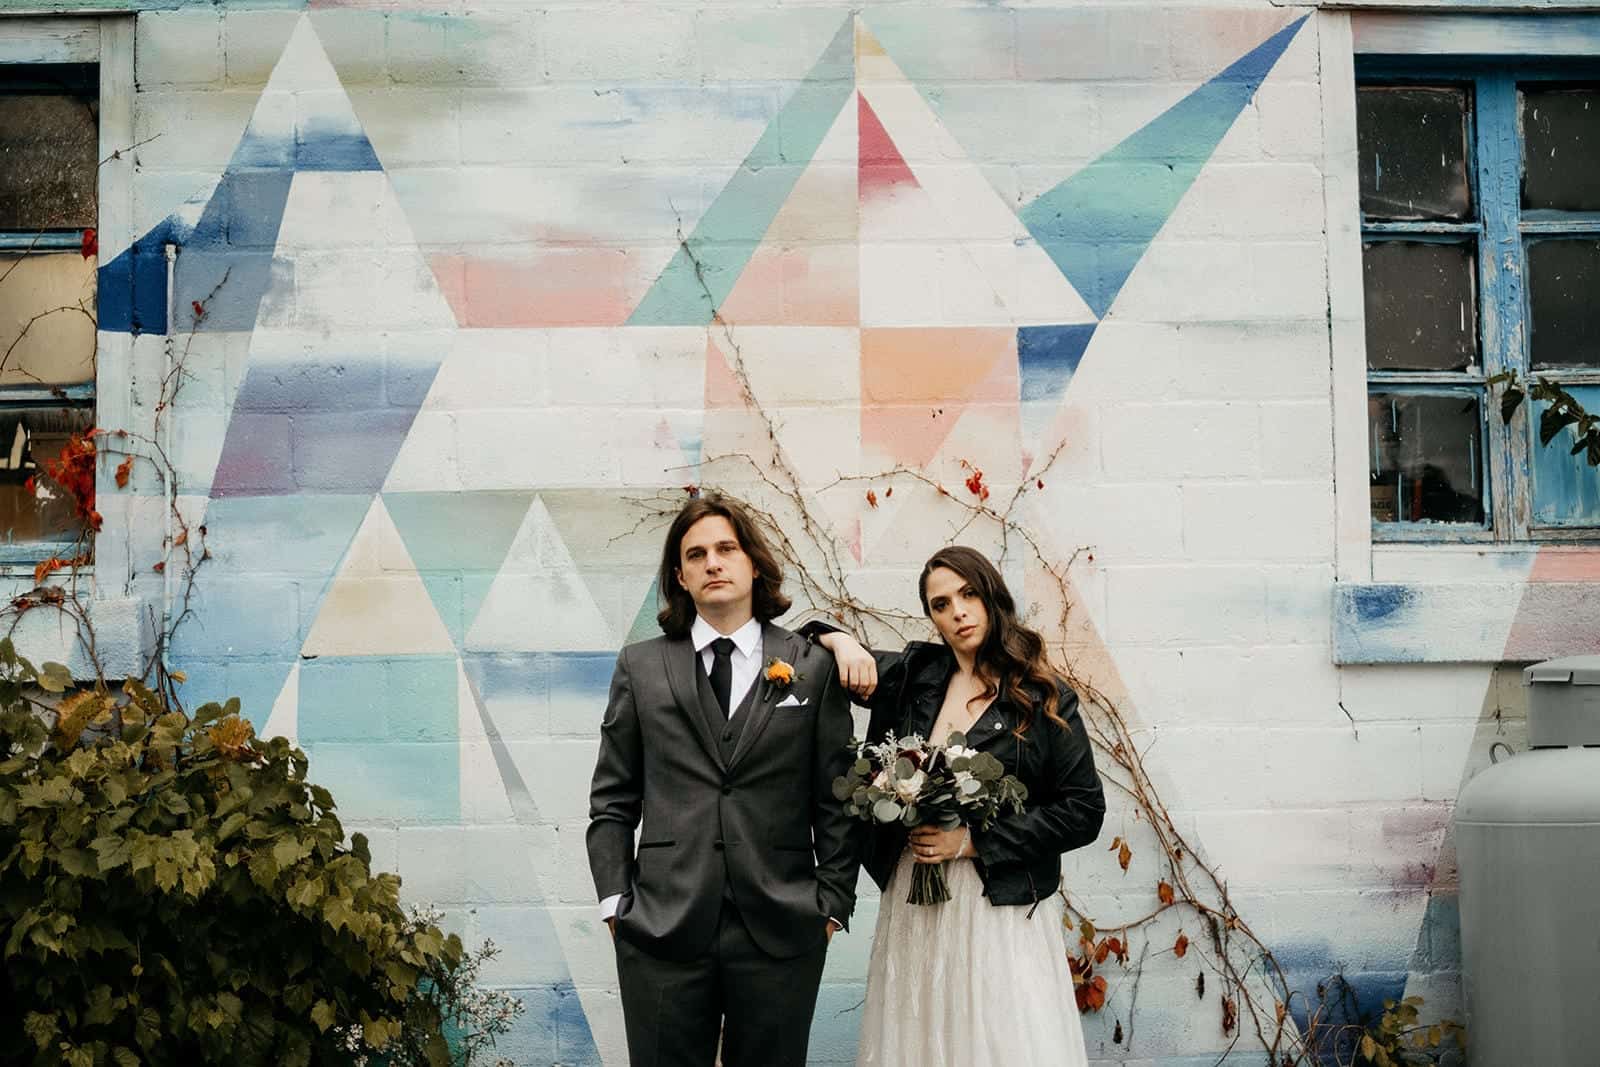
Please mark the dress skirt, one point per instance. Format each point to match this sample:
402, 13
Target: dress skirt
966, 983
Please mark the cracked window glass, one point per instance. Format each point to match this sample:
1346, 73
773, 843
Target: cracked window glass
1560, 148
1427, 457
1563, 274
1412, 144
1422, 308
49, 168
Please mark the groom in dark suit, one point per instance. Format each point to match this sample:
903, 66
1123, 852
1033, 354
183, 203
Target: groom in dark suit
723, 737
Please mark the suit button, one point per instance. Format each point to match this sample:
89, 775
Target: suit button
728, 736
717, 846
727, 790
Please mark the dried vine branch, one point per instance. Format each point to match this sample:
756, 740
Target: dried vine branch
1255, 989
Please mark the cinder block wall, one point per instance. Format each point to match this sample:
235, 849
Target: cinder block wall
466, 293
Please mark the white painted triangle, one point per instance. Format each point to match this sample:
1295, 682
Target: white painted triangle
303, 66
284, 720
970, 217
368, 268
538, 602
377, 604
483, 791
356, 261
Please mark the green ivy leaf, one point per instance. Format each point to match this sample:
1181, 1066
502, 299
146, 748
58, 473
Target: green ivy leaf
55, 678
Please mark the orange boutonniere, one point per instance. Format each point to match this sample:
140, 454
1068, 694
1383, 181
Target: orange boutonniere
779, 673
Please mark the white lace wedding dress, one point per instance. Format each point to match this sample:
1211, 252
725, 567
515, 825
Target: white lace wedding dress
966, 983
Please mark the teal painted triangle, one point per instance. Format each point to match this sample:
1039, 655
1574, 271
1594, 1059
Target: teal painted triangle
644, 623
705, 268
458, 542
1097, 224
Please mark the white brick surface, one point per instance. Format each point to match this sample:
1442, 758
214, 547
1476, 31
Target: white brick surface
543, 159
178, 48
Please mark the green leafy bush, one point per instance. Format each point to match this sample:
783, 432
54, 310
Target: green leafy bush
173, 891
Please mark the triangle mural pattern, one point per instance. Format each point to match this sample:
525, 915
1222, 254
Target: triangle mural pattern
407, 656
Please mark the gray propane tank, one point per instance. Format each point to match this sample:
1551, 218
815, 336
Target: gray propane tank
1528, 844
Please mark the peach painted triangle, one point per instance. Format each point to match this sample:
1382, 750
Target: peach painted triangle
916, 382
882, 165
806, 271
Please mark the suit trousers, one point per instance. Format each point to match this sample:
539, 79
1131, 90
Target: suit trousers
762, 1005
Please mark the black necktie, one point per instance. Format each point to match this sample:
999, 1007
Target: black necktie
722, 672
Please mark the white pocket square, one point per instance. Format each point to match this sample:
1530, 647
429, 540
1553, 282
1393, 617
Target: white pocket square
792, 701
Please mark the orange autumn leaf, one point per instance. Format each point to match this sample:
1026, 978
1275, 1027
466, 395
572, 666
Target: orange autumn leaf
46, 568
1102, 951
872, 499
1125, 856
1164, 891
1180, 948
124, 469
182, 538
1230, 1015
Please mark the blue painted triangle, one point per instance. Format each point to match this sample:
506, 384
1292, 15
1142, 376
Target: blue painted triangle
1097, 224
131, 290
705, 268
1047, 357
235, 237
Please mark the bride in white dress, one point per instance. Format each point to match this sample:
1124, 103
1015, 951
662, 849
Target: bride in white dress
981, 979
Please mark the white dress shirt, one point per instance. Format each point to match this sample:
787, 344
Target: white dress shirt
746, 662
745, 658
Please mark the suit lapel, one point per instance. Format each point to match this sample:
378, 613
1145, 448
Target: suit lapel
681, 679
776, 643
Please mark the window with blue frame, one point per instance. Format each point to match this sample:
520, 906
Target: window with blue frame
49, 176
1480, 205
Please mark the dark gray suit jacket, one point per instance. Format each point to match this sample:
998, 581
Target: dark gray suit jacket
761, 822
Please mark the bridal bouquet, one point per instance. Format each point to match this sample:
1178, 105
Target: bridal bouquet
911, 781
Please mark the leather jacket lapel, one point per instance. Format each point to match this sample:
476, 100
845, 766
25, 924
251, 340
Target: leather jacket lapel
681, 664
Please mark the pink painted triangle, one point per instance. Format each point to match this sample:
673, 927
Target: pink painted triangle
882, 167
722, 385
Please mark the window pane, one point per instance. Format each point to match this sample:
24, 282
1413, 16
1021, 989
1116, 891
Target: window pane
48, 162
1422, 311
1427, 458
27, 436
1413, 152
53, 347
1566, 490
1561, 148
1565, 327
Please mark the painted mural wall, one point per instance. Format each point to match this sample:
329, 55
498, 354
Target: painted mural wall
465, 295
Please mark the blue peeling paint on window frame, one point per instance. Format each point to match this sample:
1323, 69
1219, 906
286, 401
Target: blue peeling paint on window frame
1494, 148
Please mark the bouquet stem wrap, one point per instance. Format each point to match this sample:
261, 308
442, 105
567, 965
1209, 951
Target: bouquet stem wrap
928, 884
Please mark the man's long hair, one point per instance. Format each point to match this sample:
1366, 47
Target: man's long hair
677, 612
1012, 655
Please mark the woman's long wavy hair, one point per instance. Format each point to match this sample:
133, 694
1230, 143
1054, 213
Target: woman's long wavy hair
1012, 655
677, 613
